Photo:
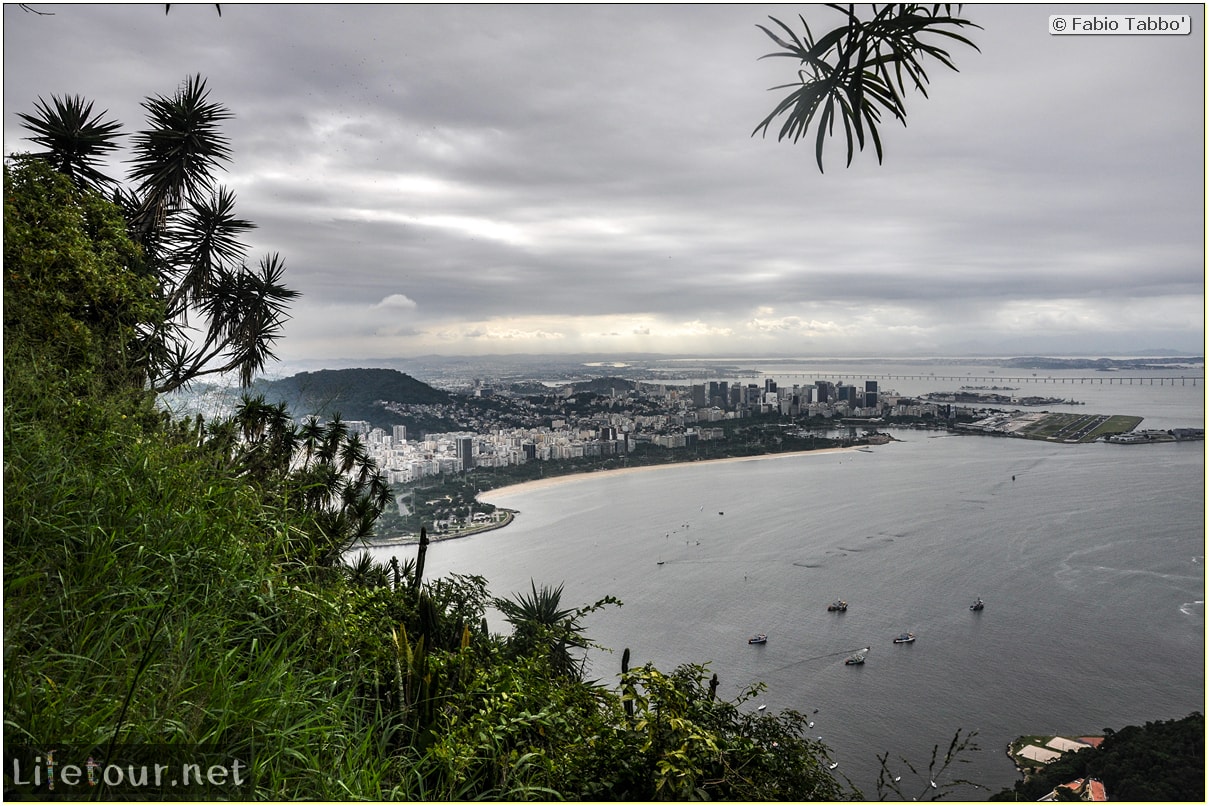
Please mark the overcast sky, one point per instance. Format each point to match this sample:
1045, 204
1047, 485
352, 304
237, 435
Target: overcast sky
506, 179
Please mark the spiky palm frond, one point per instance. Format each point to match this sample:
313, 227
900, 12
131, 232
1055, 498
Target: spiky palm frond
176, 157
76, 140
333, 435
246, 311
310, 434
353, 453
363, 571
380, 491
539, 621
543, 607
858, 71
205, 237
250, 416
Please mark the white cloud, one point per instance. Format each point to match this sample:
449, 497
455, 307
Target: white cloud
433, 191
400, 301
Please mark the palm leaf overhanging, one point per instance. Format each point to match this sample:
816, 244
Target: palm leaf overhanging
858, 71
187, 227
76, 141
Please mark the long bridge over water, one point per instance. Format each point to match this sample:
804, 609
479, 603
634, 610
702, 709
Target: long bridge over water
1102, 379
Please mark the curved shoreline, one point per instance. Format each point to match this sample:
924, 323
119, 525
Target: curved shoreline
537, 484
488, 496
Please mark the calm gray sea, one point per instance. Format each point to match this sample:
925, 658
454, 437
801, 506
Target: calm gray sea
1091, 564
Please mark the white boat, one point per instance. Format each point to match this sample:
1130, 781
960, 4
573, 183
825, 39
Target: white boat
978, 605
905, 638
857, 658
759, 638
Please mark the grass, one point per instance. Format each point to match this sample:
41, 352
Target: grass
144, 606
1118, 424
1062, 427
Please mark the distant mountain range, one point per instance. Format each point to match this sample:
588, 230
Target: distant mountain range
1157, 362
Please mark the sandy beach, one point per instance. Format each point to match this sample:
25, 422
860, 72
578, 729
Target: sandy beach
495, 495
499, 495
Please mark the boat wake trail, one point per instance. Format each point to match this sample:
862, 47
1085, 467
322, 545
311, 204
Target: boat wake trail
816, 657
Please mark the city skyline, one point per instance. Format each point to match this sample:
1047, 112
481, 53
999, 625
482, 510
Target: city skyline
471, 180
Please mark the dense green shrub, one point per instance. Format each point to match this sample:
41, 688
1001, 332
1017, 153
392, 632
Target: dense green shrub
73, 281
1158, 761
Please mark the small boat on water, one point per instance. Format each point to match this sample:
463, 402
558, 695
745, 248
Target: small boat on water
978, 605
759, 638
857, 658
838, 606
905, 638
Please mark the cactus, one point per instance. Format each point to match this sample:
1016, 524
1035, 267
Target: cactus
625, 668
429, 620
420, 561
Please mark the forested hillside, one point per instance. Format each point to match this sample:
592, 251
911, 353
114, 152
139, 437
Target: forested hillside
359, 394
1156, 762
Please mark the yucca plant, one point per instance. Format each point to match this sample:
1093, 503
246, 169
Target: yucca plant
76, 141
539, 620
858, 70
185, 223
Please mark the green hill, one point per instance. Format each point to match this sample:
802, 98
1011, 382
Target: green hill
604, 386
1158, 761
382, 397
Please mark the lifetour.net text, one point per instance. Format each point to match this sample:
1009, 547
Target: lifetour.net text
148, 771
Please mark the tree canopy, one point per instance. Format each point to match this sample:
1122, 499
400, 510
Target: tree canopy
185, 225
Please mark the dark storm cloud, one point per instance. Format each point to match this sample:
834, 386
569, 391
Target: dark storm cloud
496, 178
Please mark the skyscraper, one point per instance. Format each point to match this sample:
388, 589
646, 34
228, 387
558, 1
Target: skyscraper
466, 452
870, 394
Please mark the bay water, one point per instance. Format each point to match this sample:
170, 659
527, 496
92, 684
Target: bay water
1090, 559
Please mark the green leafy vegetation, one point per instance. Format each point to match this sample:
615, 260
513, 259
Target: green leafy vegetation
185, 227
1158, 761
